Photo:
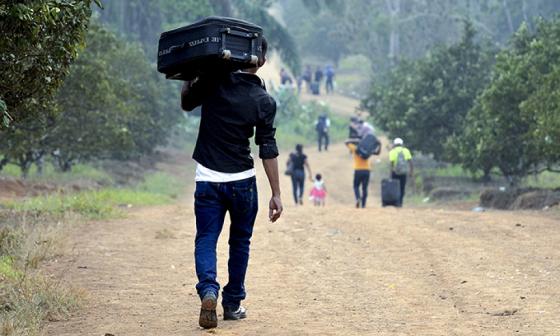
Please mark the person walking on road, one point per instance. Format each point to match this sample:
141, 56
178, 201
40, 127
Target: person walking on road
319, 191
362, 171
299, 163
234, 107
401, 165
319, 75
322, 126
307, 77
329, 75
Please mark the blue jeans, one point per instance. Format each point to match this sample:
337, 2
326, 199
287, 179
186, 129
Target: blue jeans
212, 201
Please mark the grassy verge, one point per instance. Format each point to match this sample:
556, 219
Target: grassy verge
32, 231
51, 175
158, 188
545, 180
28, 297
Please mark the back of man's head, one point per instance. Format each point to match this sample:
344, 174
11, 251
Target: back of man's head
264, 48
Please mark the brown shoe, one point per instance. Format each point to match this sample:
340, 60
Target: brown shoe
208, 317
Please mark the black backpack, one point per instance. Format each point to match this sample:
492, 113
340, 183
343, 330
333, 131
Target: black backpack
368, 146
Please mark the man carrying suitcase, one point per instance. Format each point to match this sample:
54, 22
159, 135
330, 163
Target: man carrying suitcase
233, 106
401, 165
362, 168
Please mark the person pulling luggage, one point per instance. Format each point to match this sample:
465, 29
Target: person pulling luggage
401, 165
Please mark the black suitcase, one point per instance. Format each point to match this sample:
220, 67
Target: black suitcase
214, 44
390, 192
368, 146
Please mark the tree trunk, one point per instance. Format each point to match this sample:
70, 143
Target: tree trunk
40, 162
525, 15
394, 9
3, 162
508, 16
486, 177
25, 162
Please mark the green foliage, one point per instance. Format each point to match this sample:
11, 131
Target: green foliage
51, 174
515, 124
39, 41
113, 104
98, 204
544, 180
113, 87
162, 184
42, 38
7, 269
425, 101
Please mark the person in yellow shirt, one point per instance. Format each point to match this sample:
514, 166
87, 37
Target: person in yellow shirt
362, 170
401, 165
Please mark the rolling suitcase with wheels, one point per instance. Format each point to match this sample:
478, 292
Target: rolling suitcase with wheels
390, 192
214, 44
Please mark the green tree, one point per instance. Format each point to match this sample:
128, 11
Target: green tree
426, 101
111, 104
39, 41
519, 110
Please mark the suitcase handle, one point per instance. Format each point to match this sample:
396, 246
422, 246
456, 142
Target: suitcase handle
227, 54
239, 33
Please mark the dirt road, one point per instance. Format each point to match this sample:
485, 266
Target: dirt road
326, 271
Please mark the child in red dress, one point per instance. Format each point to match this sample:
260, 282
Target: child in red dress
319, 191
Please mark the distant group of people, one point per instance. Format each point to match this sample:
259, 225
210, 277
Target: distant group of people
311, 79
360, 133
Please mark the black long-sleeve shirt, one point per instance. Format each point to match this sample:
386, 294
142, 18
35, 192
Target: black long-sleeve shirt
235, 107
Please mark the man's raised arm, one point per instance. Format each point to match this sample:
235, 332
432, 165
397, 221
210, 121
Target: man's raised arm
191, 95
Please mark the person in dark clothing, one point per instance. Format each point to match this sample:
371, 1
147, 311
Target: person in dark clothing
362, 172
235, 106
329, 75
353, 133
319, 75
322, 127
285, 77
306, 77
299, 162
